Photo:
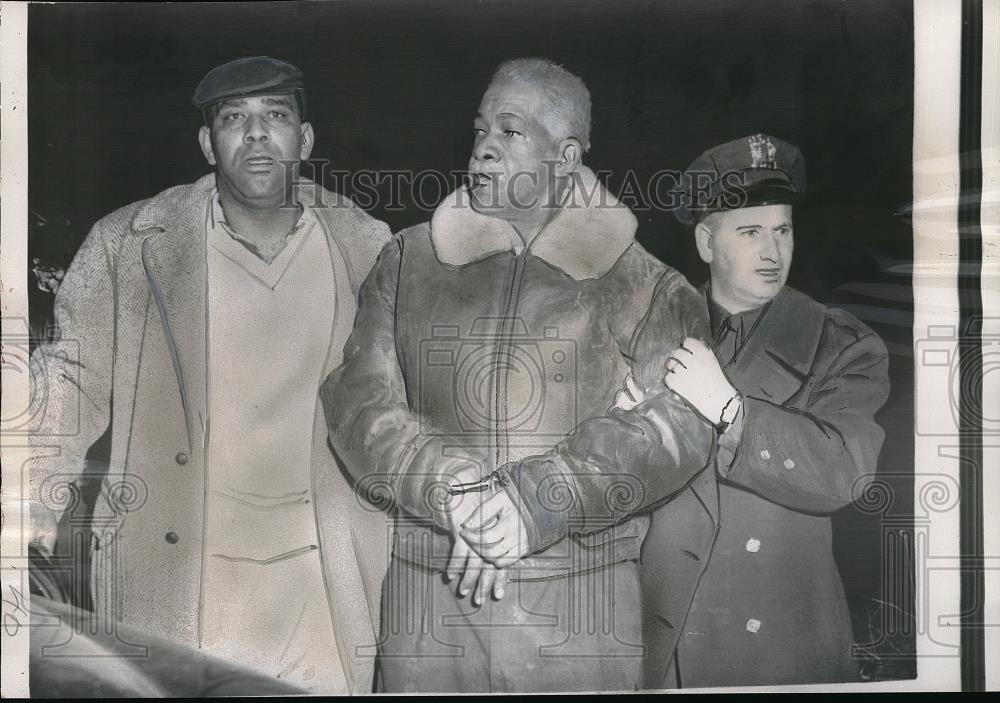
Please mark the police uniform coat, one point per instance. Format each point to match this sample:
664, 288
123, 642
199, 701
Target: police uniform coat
752, 541
132, 319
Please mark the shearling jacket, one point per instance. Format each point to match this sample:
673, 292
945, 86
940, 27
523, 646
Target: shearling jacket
468, 343
132, 353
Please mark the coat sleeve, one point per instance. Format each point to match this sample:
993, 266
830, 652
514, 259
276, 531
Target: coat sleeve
71, 375
391, 455
627, 461
376, 235
818, 449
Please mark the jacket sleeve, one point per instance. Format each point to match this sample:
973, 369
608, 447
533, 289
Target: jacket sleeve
71, 375
814, 452
614, 466
376, 235
393, 458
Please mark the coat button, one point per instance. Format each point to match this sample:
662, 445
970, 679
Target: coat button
171, 537
753, 545
753, 625
764, 454
789, 464
181, 458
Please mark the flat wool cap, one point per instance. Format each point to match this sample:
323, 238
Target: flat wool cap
747, 172
248, 77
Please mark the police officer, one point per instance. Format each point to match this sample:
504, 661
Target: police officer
792, 387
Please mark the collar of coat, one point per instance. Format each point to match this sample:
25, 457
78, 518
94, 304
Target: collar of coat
585, 239
789, 330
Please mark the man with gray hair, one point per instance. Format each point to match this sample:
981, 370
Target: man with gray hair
567, 96
478, 378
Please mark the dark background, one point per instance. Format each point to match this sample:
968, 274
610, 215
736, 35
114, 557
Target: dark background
394, 86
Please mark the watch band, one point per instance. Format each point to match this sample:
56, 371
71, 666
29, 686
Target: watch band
729, 413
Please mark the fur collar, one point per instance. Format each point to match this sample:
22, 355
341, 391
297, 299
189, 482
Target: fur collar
584, 240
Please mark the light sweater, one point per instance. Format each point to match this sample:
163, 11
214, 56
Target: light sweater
263, 600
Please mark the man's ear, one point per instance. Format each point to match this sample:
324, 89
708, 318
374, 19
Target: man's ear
570, 156
703, 239
205, 140
308, 138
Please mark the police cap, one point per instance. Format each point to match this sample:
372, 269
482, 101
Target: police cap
747, 172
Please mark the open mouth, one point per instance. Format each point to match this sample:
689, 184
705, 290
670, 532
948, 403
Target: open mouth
259, 164
478, 179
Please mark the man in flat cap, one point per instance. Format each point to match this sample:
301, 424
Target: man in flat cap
474, 395
795, 387
198, 324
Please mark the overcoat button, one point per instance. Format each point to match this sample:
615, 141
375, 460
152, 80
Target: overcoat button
764, 454
172, 537
753, 625
181, 458
753, 545
789, 464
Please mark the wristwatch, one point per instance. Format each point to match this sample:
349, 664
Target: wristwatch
729, 412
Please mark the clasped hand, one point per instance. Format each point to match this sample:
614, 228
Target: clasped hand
488, 532
489, 536
694, 373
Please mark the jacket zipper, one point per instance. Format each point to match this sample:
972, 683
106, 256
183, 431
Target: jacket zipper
504, 345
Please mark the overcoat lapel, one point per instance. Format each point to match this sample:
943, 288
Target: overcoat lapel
775, 360
174, 258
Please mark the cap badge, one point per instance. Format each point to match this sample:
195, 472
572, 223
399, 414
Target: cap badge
762, 151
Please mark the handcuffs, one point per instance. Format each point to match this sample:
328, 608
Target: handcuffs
497, 480
493, 483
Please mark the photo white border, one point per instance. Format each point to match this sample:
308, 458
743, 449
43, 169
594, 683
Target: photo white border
14, 304
937, 57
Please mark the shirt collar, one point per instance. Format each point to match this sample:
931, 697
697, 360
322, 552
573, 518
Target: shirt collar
217, 220
741, 322
227, 242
